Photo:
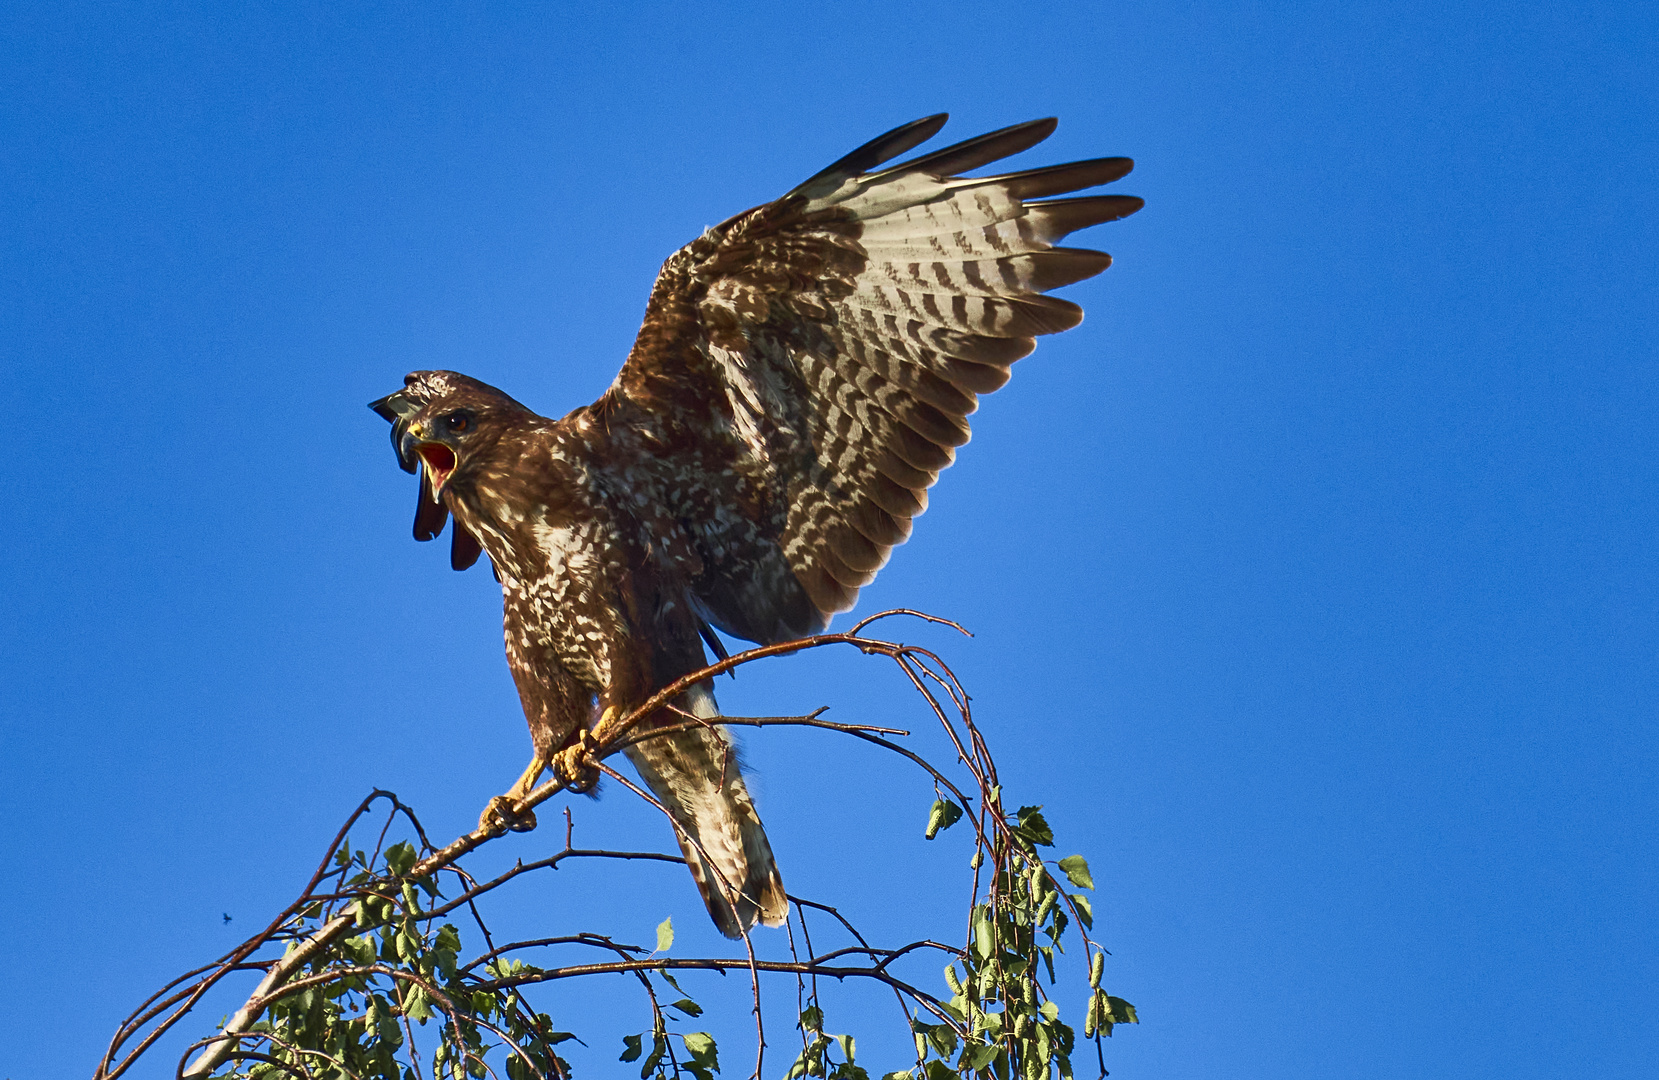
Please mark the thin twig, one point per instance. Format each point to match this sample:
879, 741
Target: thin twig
659, 715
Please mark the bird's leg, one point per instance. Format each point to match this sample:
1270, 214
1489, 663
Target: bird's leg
574, 764
502, 812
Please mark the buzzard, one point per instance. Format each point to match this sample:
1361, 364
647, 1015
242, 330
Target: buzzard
803, 373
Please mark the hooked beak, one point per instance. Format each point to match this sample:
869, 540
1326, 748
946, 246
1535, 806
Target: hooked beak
414, 450
412, 444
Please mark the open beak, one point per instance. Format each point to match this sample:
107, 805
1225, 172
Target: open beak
439, 462
436, 464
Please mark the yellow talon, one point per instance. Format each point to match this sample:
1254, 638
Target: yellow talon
573, 766
501, 814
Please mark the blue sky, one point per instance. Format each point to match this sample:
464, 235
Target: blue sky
1312, 577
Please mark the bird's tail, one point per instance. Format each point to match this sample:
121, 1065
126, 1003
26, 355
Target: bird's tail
696, 777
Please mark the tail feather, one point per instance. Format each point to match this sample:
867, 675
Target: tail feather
695, 775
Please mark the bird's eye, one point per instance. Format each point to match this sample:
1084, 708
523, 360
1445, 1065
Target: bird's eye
458, 421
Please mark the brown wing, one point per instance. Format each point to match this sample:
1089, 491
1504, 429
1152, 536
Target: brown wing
806, 369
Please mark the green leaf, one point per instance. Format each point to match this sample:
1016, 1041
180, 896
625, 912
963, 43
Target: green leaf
634, 1050
1078, 871
1122, 1011
812, 1018
943, 815
1085, 910
401, 856
665, 934
687, 1006
846, 1043
659, 1050
1034, 827
905, 1075
1059, 928
977, 1056
700, 1045
360, 947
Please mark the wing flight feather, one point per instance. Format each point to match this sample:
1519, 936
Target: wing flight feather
806, 369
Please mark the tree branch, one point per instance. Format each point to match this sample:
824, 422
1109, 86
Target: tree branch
1000, 955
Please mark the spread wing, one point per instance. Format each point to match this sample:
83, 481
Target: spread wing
807, 368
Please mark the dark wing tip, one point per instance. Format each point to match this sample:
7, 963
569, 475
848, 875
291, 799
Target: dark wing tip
394, 409
890, 145
1056, 220
981, 149
1060, 179
430, 514
879, 149
464, 547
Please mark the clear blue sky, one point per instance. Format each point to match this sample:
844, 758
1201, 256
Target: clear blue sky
1313, 576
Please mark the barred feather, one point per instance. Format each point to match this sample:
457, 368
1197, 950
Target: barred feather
853, 326
695, 776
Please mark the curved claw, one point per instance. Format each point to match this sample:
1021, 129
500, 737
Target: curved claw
500, 816
574, 764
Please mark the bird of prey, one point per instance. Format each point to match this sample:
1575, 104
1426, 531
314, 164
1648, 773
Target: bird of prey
803, 373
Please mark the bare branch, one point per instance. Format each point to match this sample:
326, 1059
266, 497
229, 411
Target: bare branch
338, 900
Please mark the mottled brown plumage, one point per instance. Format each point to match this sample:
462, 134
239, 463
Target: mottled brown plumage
803, 373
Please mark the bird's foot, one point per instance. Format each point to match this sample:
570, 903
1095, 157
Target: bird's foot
502, 815
574, 764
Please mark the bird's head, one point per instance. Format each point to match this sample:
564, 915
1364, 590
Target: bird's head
443, 423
